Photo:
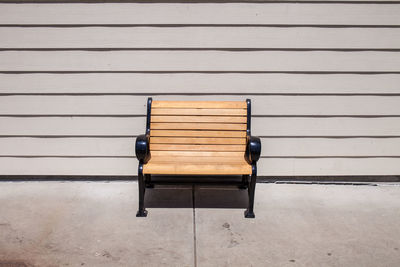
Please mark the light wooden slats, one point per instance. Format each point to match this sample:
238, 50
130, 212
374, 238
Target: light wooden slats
200, 37
197, 140
183, 159
269, 126
200, 168
206, 61
205, 83
272, 147
262, 106
202, 13
212, 119
199, 112
200, 133
198, 126
266, 167
199, 104
197, 154
178, 147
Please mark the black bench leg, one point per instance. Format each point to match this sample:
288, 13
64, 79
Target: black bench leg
249, 213
148, 182
245, 182
142, 212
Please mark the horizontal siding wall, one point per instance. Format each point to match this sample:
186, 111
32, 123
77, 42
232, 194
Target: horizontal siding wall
324, 79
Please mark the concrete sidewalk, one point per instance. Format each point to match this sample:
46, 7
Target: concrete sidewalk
94, 224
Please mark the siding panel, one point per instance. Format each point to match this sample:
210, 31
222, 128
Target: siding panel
199, 83
129, 105
323, 78
262, 126
201, 37
200, 61
268, 167
210, 13
272, 147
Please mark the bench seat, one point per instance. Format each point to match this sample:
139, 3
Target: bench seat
184, 165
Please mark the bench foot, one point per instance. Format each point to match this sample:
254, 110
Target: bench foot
141, 213
149, 185
248, 214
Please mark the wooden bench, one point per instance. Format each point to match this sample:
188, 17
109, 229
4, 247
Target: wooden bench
198, 138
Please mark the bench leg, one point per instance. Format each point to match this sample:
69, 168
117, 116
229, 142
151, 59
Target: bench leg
249, 213
245, 182
148, 182
142, 212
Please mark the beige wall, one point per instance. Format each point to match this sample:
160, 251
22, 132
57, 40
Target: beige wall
324, 79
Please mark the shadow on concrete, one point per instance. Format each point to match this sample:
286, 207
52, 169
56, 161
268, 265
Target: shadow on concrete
197, 196
169, 196
220, 197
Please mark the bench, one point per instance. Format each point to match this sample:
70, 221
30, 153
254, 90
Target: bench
198, 138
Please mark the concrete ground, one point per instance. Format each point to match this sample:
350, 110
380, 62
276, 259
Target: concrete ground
55, 223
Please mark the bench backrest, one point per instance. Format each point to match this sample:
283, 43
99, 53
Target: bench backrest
198, 128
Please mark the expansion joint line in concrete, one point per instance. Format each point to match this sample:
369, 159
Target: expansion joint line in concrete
194, 228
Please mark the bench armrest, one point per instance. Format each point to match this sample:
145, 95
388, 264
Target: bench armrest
253, 149
142, 148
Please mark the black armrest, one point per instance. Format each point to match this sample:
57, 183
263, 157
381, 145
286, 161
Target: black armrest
253, 149
142, 148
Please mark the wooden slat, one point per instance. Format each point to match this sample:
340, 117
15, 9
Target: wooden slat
197, 140
199, 104
199, 111
193, 169
212, 119
198, 126
200, 37
173, 154
269, 126
270, 167
206, 61
183, 159
200, 133
177, 147
202, 13
271, 147
177, 83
